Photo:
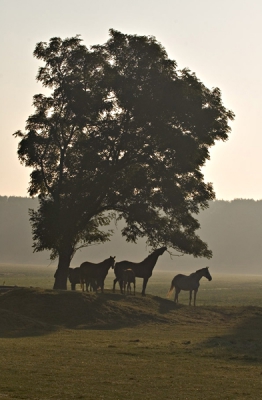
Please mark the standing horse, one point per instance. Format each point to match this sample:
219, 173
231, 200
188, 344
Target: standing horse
189, 283
90, 273
74, 277
128, 278
142, 269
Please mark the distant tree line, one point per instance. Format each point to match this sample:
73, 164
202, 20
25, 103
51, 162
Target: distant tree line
232, 230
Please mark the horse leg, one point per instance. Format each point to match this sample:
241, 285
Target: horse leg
114, 284
190, 297
195, 293
134, 289
93, 285
144, 286
177, 291
121, 284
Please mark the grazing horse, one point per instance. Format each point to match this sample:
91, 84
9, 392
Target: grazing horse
142, 269
74, 277
189, 283
90, 273
128, 278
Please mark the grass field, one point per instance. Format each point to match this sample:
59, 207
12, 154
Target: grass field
69, 345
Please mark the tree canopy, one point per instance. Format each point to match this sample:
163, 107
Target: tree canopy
123, 134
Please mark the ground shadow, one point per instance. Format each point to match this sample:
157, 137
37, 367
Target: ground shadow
243, 342
36, 312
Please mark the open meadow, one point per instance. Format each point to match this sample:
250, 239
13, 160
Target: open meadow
74, 345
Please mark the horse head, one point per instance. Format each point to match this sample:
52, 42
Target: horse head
207, 274
112, 261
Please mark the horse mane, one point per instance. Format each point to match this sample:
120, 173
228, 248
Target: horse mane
151, 255
201, 269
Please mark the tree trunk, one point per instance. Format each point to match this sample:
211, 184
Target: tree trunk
61, 273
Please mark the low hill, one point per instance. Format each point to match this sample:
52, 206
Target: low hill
35, 311
74, 345
40, 310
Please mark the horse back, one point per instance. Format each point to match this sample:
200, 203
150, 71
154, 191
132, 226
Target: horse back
129, 275
121, 266
87, 264
139, 270
184, 282
90, 270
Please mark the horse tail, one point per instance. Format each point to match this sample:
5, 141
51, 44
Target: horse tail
171, 289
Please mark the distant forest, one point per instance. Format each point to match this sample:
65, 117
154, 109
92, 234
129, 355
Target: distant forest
232, 229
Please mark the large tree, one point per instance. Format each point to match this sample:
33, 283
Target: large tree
123, 134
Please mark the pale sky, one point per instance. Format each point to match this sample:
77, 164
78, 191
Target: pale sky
219, 40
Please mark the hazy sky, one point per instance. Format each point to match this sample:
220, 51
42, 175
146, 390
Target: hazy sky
220, 40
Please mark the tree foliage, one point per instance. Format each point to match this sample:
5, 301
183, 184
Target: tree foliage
124, 135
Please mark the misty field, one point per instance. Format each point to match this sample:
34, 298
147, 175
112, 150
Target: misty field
69, 345
235, 290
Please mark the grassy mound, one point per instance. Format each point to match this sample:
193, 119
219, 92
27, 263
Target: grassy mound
118, 347
35, 311
41, 309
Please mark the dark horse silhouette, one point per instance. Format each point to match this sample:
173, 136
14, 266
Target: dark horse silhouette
189, 283
142, 269
91, 272
74, 277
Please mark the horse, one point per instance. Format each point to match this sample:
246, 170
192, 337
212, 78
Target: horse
91, 272
189, 283
142, 269
74, 279
128, 278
